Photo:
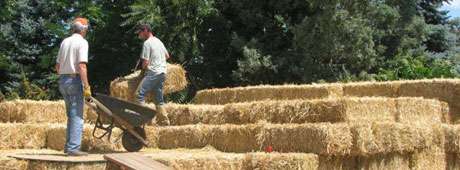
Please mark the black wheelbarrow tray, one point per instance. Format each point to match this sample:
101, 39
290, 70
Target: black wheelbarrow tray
128, 116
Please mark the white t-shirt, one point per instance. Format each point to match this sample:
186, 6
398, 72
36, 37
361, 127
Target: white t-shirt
154, 52
73, 51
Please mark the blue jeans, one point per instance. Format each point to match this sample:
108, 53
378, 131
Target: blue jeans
71, 89
152, 82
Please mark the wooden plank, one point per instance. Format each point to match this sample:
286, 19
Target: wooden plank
135, 161
59, 157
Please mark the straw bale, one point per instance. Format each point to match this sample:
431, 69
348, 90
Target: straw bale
412, 110
280, 161
191, 136
193, 114
374, 162
12, 164
429, 159
235, 138
19, 136
196, 158
46, 165
386, 137
125, 87
369, 109
265, 92
30, 111
441, 89
321, 138
210, 159
361, 89
56, 137
286, 111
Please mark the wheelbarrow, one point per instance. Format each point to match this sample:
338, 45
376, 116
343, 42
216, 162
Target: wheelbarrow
128, 116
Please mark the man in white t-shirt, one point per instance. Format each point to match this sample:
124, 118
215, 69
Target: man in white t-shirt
153, 57
73, 83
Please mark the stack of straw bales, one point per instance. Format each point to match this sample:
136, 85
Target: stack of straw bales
353, 109
125, 87
446, 90
332, 126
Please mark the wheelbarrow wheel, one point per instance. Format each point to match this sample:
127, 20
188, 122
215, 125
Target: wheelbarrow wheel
130, 142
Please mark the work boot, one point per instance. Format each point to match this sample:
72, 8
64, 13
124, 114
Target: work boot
76, 153
161, 116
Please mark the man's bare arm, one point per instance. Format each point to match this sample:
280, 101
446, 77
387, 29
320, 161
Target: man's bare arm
167, 56
83, 74
57, 68
145, 63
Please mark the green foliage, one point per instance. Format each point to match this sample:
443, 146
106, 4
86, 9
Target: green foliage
178, 97
28, 90
338, 42
225, 43
254, 68
419, 67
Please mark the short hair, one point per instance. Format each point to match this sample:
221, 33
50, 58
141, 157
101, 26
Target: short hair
144, 27
80, 24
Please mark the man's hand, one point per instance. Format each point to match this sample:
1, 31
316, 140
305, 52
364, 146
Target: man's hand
87, 91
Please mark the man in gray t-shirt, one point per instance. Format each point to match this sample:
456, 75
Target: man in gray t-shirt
153, 57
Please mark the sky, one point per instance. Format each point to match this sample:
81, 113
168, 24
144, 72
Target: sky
453, 8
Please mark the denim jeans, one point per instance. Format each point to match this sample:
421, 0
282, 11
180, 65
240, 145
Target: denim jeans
71, 88
152, 82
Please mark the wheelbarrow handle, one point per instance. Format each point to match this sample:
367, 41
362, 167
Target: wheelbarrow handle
96, 104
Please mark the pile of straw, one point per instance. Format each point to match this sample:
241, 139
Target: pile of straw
125, 87
405, 110
30, 111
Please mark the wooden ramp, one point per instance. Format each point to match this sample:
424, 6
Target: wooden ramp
134, 161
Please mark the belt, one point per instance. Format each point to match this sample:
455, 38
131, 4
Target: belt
71, 75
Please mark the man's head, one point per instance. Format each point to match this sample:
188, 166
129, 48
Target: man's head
80, 26
144, 31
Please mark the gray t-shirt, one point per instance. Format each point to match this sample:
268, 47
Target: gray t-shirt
155, 52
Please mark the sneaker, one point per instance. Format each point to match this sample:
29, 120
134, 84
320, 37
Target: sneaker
76, 153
